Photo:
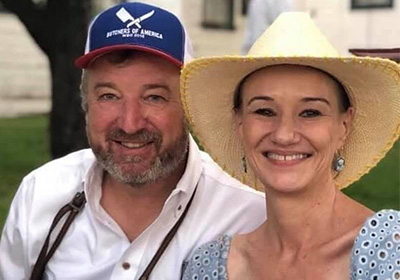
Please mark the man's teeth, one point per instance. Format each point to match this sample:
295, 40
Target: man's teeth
133, 145
286, 157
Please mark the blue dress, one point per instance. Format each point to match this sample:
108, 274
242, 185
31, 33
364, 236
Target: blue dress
375, 254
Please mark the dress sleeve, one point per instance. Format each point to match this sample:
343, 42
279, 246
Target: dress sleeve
376, 250
208, 261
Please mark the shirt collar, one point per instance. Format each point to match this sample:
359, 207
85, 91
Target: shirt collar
193, 169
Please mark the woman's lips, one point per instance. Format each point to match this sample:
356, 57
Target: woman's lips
286, 158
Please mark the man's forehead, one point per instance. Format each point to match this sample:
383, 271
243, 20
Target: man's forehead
141, 71
125, 58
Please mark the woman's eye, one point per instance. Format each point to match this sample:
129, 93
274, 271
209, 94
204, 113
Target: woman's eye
310, 113
108, 96
265, 112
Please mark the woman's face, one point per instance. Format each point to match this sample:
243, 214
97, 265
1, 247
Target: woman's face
291, 126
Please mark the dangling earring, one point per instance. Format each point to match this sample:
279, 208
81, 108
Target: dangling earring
244, 164
339, 162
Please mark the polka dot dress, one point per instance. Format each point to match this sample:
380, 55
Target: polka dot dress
375, 254
209, 261
376, 251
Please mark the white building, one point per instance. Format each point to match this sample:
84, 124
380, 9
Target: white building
24, 74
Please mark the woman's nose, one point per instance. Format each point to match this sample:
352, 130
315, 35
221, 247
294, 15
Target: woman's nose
285, 132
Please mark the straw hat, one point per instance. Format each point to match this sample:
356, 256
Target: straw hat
373, 86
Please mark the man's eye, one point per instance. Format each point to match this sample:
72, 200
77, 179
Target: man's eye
265, 112
108, 96
310, 113
155, 98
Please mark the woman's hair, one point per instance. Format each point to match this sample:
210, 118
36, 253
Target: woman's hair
344, 101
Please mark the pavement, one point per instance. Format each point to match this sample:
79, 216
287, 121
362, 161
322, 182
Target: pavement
11, 108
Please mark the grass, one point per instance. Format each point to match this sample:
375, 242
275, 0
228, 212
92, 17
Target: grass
24, 146
380, 189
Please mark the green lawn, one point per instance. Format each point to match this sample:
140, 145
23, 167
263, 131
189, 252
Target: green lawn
24, 146
380, 188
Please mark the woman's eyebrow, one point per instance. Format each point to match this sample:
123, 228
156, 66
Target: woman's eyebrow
255, 98
314, 99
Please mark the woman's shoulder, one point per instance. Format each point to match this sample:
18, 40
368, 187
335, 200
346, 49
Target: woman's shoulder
376, 250
210, 259
380, 225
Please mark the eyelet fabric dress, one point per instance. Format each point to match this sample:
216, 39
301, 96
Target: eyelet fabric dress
375, 254
376, 250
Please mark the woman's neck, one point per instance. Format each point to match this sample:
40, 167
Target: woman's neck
302, 219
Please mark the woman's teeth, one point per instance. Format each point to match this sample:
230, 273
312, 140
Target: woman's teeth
286, 157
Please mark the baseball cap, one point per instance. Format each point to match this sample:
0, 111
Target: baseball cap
137, 26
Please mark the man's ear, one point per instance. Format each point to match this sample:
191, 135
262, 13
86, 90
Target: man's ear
346, 124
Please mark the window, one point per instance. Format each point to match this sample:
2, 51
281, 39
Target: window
218, 14
245, 6
371, 4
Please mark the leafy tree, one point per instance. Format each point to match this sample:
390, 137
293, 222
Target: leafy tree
59, 28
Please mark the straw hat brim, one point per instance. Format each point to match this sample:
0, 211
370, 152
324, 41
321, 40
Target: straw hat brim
373, 86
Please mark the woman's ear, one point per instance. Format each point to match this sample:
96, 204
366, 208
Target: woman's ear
238, 122
346, 124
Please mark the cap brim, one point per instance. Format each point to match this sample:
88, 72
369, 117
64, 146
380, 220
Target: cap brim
85, 60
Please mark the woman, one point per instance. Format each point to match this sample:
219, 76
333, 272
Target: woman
305, 123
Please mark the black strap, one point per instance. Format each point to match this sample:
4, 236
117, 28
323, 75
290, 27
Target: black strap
75, 206
166, 241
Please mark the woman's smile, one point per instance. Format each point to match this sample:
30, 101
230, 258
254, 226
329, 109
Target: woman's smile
286, 158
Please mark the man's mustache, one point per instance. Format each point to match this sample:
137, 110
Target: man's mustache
142, 135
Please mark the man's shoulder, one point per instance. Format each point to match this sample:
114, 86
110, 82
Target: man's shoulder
223, 181
69, 170
76, 161
44, 190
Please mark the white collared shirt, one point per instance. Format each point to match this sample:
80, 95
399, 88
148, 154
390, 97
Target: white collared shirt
95, 247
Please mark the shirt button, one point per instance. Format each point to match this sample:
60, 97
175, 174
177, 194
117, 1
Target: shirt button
126, 265
179, 207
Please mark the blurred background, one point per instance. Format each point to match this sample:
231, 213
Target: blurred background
40, 115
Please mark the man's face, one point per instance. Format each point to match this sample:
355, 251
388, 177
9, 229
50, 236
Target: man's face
135, 121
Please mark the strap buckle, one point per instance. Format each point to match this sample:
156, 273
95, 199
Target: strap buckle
78, 202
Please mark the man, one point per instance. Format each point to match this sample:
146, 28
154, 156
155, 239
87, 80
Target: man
142, 174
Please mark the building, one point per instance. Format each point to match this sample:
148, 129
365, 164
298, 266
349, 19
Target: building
216, 28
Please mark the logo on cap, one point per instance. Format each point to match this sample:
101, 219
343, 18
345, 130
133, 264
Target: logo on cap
138, 32
125, 16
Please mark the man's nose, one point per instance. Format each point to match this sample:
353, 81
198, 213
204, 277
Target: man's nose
133, 116
285, 132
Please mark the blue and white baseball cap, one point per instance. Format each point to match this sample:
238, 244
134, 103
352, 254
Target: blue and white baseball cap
140, 27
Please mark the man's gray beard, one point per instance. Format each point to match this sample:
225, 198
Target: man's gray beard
163, 166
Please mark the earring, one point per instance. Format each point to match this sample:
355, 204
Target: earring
339, 163
244, 164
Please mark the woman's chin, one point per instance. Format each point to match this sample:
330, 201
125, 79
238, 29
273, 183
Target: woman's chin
285, 186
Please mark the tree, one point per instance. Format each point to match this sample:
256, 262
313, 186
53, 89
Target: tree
59, 28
